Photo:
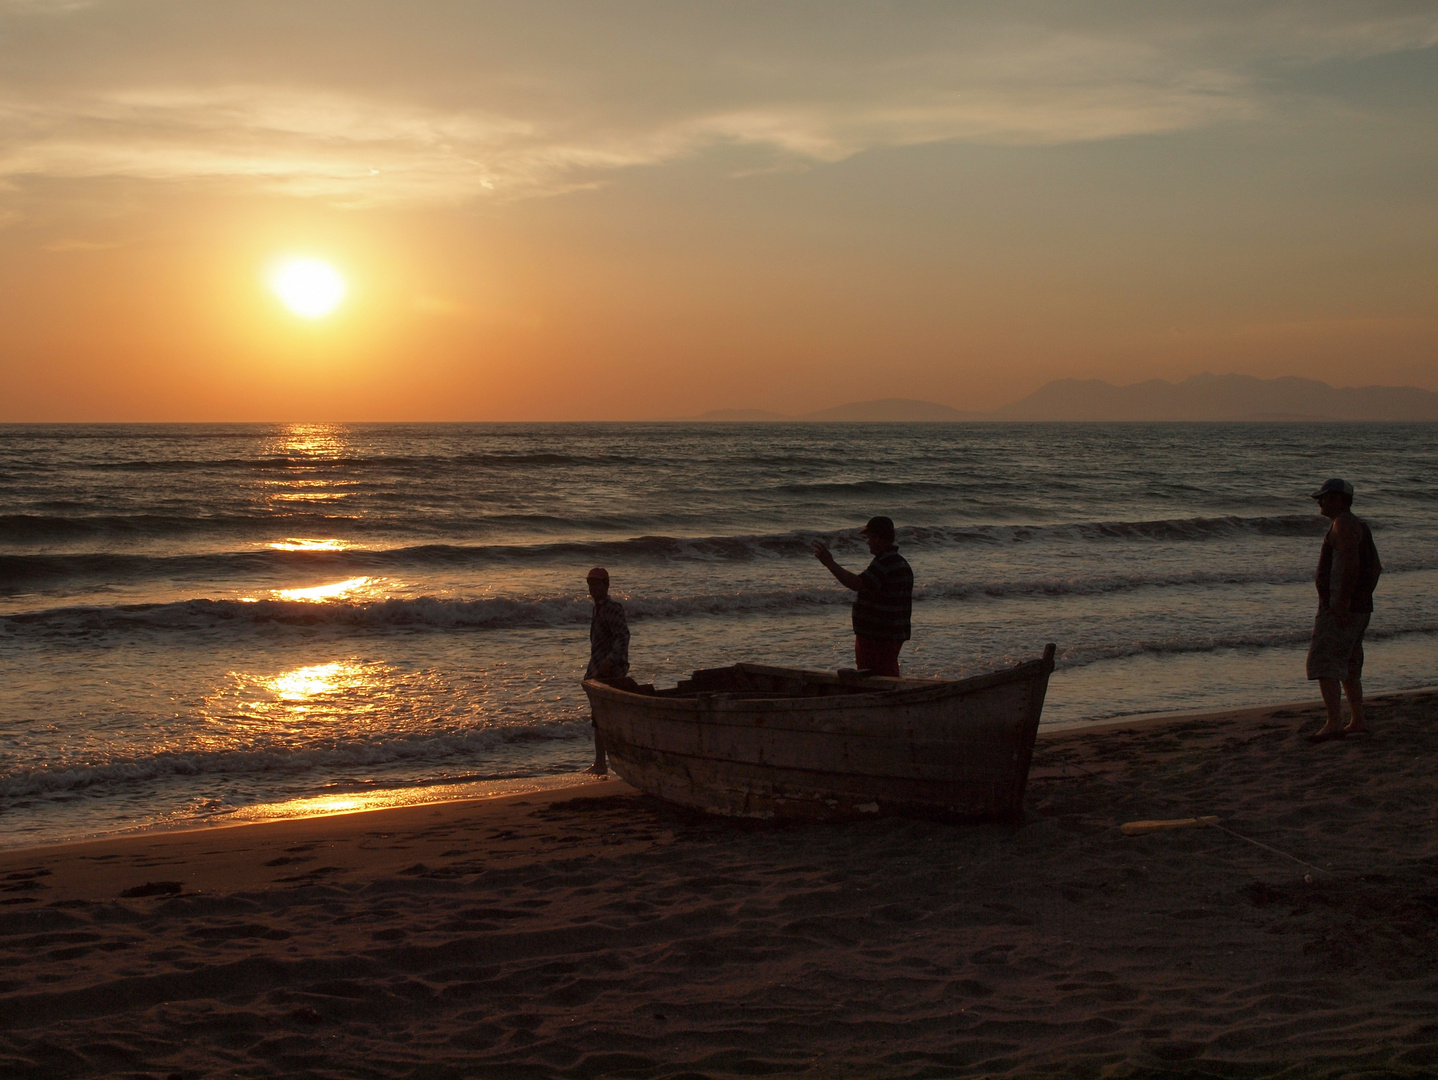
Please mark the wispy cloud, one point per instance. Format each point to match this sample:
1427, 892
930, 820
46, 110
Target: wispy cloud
497, 107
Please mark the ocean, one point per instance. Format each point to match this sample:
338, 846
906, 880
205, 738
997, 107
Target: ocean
205, 624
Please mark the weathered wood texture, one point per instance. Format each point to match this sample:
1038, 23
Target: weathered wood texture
756, 741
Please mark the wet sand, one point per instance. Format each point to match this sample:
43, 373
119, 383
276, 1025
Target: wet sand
593, 932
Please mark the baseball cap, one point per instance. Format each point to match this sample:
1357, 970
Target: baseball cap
1334, 486
597, 572
880, 526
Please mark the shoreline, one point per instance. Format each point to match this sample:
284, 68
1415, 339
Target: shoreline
565, 786
561, 785
1156, 719
223, 858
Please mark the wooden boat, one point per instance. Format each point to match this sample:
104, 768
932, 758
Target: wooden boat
773, 742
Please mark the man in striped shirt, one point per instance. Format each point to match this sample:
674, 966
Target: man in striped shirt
885, 602
608, 647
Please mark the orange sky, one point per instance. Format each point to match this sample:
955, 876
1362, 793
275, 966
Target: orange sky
609, 211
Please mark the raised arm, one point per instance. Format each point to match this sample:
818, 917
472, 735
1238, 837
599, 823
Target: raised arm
846, 578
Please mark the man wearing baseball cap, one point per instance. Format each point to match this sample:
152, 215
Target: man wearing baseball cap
608, 648
1348, 570
884, 605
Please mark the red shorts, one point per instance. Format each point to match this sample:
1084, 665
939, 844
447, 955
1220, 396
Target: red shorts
879, 657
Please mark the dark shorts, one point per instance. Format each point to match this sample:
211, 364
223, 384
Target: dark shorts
1336, 652
879, 657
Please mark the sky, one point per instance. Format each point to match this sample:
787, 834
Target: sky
611, 211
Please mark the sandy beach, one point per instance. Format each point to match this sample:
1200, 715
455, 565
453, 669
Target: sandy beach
592, 932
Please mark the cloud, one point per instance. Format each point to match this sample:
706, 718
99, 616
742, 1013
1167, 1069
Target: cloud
367, 103
308, 143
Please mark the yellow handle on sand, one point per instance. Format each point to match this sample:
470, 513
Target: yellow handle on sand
1138, 828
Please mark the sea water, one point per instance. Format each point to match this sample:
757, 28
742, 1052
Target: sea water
200, 624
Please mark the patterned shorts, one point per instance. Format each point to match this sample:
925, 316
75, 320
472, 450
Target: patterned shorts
1336, 652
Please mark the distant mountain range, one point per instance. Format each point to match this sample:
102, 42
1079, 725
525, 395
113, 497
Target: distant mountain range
1201, 397
883, 409
1221, 397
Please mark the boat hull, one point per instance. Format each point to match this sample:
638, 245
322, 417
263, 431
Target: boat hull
818, 747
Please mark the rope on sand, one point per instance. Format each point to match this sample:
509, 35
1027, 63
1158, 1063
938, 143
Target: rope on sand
1265, 847
1138, 828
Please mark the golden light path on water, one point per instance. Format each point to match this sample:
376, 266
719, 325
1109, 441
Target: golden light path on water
324, 706
311, 452
304, 704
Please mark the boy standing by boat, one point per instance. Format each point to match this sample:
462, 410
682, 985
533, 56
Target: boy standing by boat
883, 608
608, 647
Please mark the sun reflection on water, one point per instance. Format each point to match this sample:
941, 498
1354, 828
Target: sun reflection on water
309, 440
301, 543
306, 682
320, 732
396, 798
313, 459
309, 496
316, 593
335, 699
328, 804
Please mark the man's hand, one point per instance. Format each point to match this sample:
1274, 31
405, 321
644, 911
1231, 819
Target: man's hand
844, 577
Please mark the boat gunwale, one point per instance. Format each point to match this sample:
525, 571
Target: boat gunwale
722, 701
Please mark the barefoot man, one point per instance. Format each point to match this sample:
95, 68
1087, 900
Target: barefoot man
1348, 570
608, 648
885, 601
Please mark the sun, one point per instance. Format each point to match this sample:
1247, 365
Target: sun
310, 288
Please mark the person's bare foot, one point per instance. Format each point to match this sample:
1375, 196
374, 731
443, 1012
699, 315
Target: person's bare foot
1356, 729
1327, 733
598, 770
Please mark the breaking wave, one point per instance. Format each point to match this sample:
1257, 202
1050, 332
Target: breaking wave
428, 749
19, 573
502, 613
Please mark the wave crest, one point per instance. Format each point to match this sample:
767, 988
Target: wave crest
430, 749
501, 613
21, 572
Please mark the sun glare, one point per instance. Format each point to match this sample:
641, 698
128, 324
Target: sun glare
324, 592
308, 287
307, 682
